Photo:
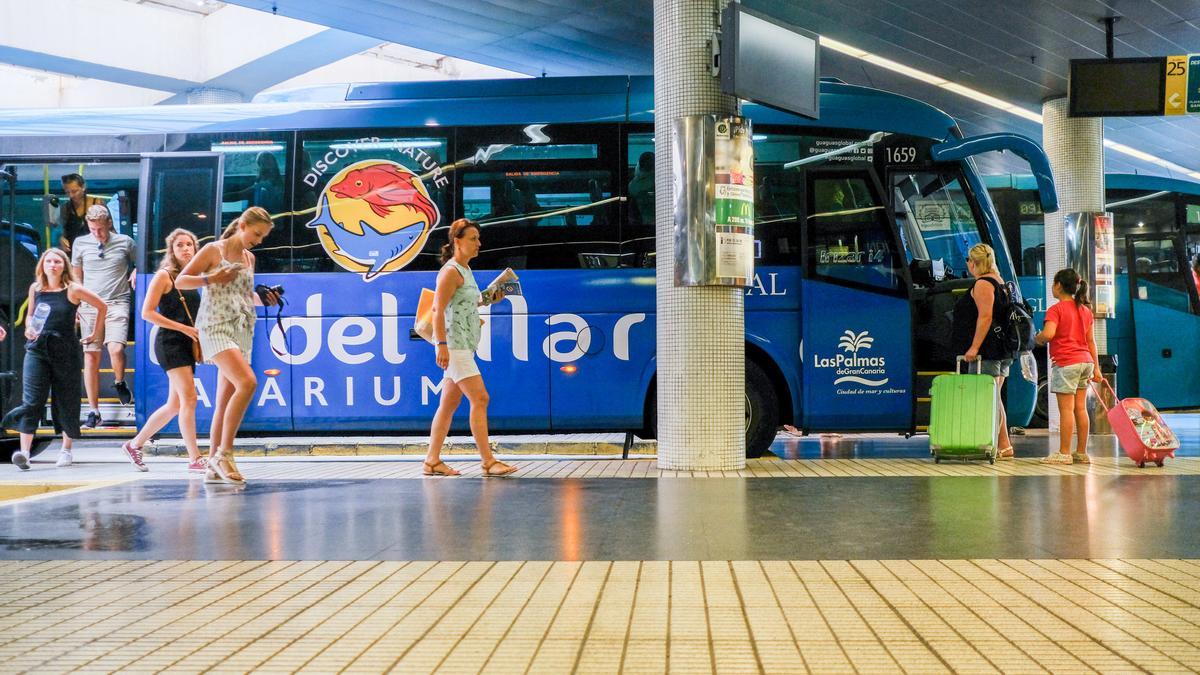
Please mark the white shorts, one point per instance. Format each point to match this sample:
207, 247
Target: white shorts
116, 324
462, 365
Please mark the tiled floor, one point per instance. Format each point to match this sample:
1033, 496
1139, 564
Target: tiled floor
861, 556
603, 616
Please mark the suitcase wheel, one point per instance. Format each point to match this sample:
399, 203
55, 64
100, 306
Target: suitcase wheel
937, 459
991, 459
1158, 462
1142, 464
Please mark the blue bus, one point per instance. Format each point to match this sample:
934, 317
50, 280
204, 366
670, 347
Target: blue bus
1156, 332
863, 221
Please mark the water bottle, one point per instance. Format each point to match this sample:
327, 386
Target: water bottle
37, 321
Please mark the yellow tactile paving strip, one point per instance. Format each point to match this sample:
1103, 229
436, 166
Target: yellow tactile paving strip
278, 469
760, 468
602, 617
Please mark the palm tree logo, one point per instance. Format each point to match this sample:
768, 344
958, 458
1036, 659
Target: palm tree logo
853, 342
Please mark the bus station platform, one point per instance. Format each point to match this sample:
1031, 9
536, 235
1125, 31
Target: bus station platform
850, 553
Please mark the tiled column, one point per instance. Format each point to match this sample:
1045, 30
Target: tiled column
1075, 146
701, 372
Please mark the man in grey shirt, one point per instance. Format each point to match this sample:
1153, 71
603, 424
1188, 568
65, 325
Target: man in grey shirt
103, 261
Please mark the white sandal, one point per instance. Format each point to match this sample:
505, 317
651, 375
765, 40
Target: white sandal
218, 473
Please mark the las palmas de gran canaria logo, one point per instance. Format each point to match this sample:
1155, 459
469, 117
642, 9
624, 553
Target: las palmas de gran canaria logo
853, 367
374, 217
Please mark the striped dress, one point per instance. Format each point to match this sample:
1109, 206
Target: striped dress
226, 316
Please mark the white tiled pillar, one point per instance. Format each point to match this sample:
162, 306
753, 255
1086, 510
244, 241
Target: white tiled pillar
701, 369
1075, 146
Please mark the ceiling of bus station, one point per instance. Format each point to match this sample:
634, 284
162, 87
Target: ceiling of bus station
1015, 51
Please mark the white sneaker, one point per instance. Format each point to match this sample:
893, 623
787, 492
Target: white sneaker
64, 459
20, 460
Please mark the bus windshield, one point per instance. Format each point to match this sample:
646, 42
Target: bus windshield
936, 221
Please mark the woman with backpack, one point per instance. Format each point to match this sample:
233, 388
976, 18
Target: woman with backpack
1073, 361
975, 314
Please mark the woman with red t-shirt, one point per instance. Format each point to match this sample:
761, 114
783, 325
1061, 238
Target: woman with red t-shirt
1068, 329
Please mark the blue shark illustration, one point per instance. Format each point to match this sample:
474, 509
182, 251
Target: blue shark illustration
371, 248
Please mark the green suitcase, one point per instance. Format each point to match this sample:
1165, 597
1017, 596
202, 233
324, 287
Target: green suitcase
963, 417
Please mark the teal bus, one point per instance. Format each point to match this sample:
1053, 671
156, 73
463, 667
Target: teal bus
1156, 333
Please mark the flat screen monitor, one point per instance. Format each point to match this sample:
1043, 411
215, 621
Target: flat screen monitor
771, 62
1117, 87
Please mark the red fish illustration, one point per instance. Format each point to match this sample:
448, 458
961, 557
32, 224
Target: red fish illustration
383, 186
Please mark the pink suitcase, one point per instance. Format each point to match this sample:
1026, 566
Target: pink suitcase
1142, 432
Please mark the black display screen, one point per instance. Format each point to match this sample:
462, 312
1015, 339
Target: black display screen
770, 62
1117, 87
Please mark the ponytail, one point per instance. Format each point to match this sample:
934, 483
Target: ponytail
1081, 294
252, 214
457, 229
1074, 285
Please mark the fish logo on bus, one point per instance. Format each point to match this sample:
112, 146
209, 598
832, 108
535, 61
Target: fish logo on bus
374, 217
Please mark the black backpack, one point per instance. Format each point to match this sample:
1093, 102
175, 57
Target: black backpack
1012, 328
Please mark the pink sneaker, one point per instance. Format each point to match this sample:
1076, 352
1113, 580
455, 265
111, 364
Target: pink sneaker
198, 466
135, 456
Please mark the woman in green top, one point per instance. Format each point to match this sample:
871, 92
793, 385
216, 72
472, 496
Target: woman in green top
456, 324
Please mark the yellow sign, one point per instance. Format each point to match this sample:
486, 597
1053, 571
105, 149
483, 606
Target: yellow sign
1176, 92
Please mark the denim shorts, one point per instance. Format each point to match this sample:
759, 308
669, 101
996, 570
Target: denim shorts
1069, 379
997, 368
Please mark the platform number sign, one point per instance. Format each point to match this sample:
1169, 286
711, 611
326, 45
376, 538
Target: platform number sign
1182, 91
1175, 94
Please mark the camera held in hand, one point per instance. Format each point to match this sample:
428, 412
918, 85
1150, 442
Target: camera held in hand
262, 290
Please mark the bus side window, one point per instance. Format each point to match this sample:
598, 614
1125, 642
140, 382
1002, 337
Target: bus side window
848, 236
547, 205
256, 174
1148, 216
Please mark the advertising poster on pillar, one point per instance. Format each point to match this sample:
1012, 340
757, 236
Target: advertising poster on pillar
1105, 292
734, 203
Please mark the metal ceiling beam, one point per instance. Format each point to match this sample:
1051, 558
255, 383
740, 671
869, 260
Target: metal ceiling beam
289, 61
87, 69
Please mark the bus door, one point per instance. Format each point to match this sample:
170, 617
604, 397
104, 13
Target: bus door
183, 190
1166, 321
938, 226
855, 323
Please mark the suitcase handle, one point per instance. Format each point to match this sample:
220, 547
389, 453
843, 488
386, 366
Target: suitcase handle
1092, 386
959, 361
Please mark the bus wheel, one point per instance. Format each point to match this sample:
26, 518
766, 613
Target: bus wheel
1041, 405
762, 411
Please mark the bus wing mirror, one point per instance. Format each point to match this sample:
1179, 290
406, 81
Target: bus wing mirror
1019, 145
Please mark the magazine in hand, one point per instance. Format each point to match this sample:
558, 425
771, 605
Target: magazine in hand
506, 283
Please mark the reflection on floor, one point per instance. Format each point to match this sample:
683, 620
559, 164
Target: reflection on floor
1035, 444
1083, 516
